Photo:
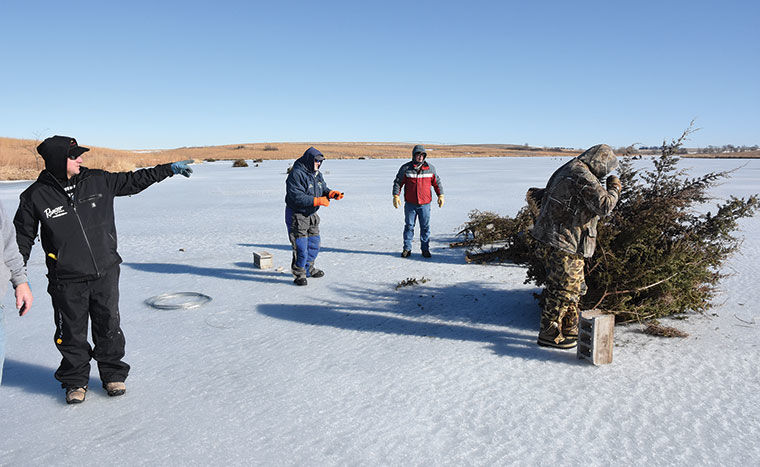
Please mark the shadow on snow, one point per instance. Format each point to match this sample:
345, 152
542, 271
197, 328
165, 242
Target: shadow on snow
246, 271
440, 255
505, 320
32, 378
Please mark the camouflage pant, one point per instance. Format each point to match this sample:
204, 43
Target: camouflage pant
564, 286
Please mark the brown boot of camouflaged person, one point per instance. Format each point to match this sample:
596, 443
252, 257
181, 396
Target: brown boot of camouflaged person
570, 324
550, 334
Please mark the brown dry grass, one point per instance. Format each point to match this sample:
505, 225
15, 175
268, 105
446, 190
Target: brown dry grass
352, 151
728, 155
657, 329
20, 161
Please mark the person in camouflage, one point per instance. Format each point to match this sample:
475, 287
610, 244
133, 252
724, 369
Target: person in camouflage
570, 207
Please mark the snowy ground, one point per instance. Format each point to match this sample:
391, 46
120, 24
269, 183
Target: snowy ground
349, 370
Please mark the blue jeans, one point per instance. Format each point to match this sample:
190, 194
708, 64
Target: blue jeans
411, 213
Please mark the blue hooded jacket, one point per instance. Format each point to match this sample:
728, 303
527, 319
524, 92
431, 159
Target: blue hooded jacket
304, 184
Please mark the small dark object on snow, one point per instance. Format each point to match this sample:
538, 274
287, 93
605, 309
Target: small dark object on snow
411, 281
657, 329
240, 163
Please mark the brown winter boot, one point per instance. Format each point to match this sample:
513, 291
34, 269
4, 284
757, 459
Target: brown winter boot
115, 388
75, 395
570, 324
550, 334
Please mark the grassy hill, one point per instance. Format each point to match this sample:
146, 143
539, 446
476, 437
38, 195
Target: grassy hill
19, 159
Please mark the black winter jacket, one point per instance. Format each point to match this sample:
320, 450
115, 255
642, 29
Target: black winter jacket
78, 233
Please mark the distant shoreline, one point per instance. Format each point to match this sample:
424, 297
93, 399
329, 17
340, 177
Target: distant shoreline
19, 160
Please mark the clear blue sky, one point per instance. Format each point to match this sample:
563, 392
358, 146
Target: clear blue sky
156, 74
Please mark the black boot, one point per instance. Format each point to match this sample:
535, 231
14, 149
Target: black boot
405, 253
300, 281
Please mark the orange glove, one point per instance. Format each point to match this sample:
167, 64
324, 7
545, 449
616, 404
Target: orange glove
335, 194
321, 201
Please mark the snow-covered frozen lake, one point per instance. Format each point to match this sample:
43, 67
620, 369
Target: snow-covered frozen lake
349, 370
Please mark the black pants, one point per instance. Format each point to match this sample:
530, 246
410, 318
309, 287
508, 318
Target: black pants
76, 303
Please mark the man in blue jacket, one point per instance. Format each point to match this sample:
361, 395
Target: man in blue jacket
306, 192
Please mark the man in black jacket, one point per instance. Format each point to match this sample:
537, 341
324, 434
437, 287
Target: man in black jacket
73, 205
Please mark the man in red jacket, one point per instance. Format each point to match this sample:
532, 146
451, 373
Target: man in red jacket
417, 177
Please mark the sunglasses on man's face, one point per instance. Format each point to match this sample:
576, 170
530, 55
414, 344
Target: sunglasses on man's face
72, 145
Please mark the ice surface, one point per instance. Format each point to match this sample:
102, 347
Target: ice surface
349, 370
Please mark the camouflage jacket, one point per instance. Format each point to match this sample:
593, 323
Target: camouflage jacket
574, 199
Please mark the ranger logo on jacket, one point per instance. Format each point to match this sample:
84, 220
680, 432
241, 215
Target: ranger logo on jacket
55, 212
77, 226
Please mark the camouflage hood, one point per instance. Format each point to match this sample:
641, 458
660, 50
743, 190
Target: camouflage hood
600, 159
573, 201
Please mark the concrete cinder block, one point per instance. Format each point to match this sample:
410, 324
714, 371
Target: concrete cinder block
596, 336
262, 260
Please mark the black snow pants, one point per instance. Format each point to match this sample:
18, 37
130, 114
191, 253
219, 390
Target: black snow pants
76, 303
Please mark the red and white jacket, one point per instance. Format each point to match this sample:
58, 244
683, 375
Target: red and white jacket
417, 181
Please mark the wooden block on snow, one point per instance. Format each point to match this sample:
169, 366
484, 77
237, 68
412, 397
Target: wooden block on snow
262, 260
596, 336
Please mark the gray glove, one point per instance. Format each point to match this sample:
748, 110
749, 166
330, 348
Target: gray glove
182, 168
